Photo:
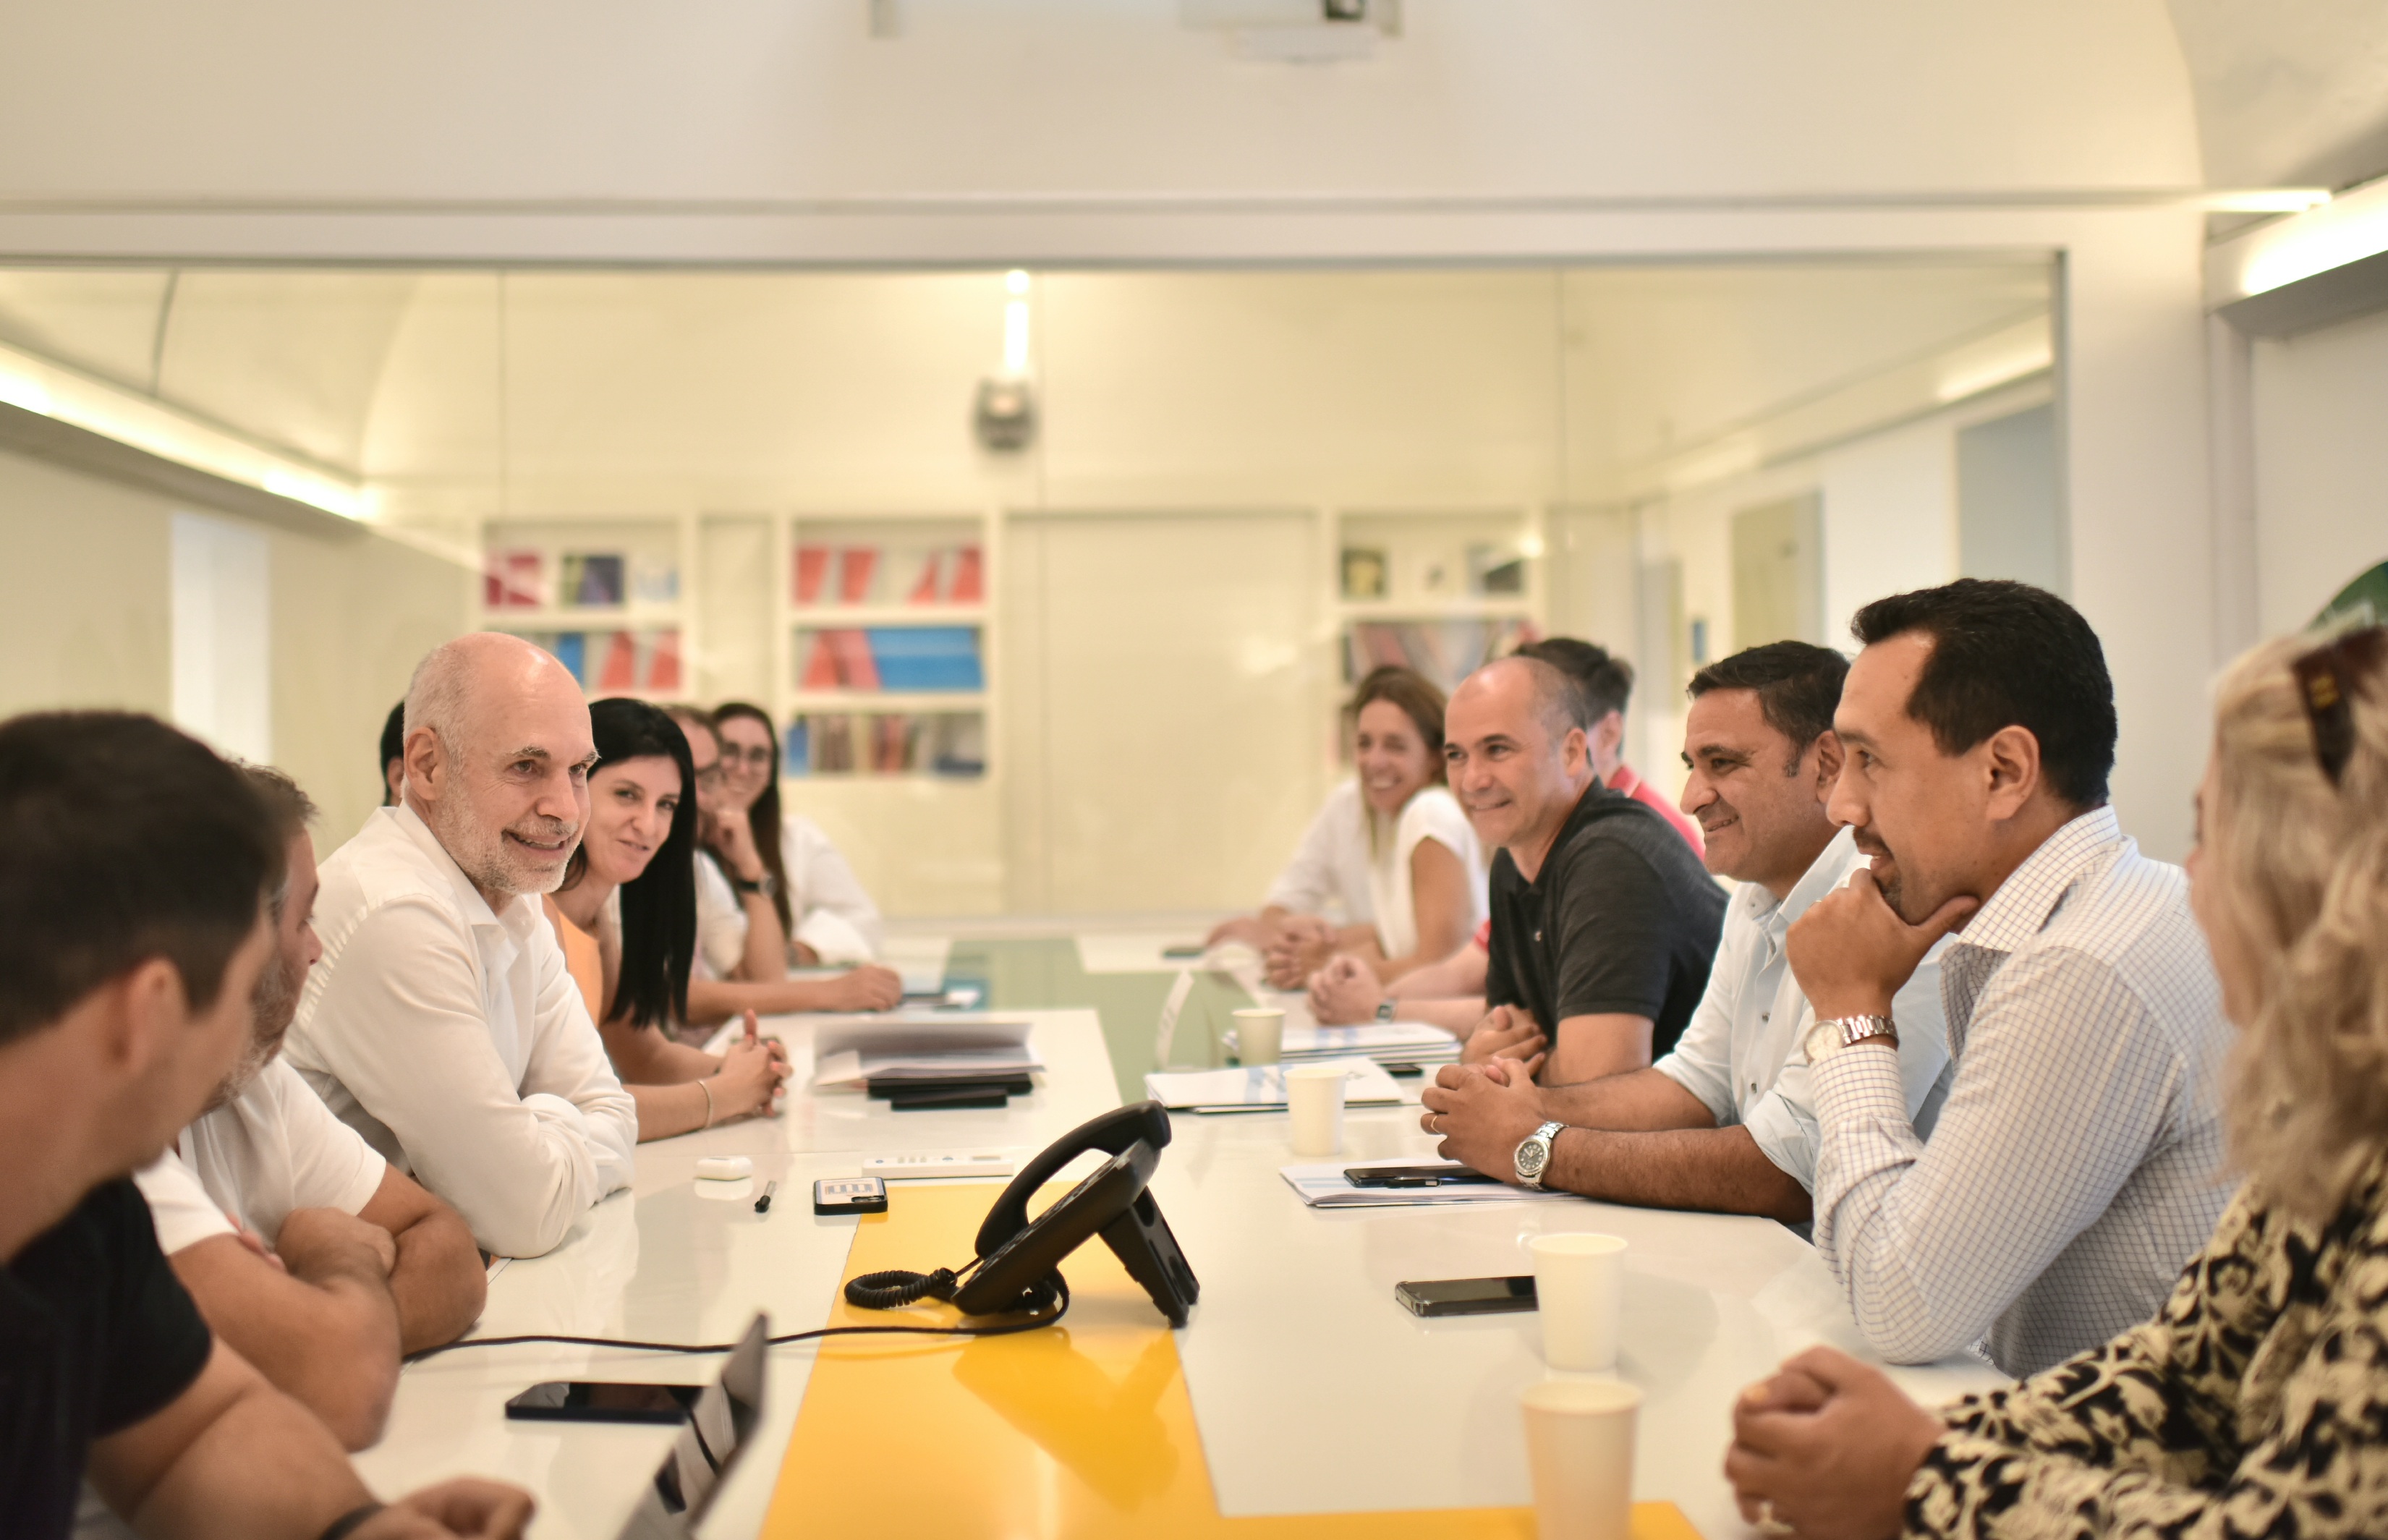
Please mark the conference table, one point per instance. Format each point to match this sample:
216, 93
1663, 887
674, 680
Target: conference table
1312, 1391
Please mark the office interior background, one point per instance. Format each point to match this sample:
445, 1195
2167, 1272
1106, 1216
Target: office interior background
1044, 408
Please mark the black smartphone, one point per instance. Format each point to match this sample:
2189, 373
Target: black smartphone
1467, 1296
602, 1401
1412, 1176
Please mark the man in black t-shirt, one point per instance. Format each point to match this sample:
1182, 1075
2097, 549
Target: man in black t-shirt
1604, 922
132, 933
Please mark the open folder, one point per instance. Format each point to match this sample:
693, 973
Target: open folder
1262, 1088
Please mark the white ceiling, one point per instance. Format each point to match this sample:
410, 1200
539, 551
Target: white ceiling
2289, 92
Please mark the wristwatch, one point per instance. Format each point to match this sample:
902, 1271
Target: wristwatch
765, 885
1828, 1038
1534, 1155
1385, 1009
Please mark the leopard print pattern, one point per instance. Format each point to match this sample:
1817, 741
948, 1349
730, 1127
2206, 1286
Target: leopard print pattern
2254, 1405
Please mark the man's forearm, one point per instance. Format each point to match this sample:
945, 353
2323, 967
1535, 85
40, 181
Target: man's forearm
1714, 1170
438, 1284
1638, 1100
1590, 1048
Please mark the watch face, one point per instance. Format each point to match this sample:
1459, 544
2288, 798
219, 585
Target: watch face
1532, 1156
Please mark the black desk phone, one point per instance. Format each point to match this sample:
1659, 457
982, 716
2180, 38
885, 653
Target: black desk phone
1019, 1258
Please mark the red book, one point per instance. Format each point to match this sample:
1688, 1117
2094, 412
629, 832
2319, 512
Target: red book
854, 573
820, 669
856, 669
663, 670
925, 591
621, 666
970, 584
812, 570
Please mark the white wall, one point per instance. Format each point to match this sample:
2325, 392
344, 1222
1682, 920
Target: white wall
2321, 466
86, 602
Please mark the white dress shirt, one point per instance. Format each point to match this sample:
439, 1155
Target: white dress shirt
1743, 1051
272, 1149
720, 920
452, 1038
835, 915
2075, 1166
1433, 814
1330, 867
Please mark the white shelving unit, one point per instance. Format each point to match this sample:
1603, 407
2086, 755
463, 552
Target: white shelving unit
1439, 589
638, 644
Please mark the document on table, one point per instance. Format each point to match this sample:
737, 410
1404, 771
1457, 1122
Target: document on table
916, 1047
857, 1067
1262, 1088
1386, 1042
1324, 1186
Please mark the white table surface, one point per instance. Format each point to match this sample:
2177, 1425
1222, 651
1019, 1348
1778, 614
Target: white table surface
1303, 1371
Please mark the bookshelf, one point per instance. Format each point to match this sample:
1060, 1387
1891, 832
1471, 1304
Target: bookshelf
1442, 592
607, 597
885, 647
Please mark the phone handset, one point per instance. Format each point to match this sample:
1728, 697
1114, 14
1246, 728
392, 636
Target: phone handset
1018, 1266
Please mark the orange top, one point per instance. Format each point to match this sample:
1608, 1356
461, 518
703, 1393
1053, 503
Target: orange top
582, 959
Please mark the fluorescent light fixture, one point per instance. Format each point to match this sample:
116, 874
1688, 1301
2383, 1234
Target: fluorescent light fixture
19, 390
1015, 336
1530, 545
54, 390
2317, 248
1015, 282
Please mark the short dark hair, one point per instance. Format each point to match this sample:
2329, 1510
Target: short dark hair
290, 807
393, 747
1605, 683
2008, 655
126, 840
1416, 697
1797, 685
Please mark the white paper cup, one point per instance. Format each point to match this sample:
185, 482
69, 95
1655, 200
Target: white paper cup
1314, 1093
1260, 1035
1579, 1451
1578, 1284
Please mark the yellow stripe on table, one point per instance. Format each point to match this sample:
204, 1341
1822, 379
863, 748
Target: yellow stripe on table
1081, 1430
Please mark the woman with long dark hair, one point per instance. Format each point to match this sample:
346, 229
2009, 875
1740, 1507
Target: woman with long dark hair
631, 890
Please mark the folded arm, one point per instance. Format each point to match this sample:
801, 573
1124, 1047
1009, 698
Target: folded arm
439, 1281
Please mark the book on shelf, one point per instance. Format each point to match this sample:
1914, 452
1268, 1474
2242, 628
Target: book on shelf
662, 672
514, 580
812, 573
1444, 651
571, 650
892, 657
856, 567
655, 580
619, 673
924, 592
969, 577
593, 579
886, 743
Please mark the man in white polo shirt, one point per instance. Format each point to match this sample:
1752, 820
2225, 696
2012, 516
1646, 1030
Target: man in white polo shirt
303, 1248
441, 1024
1726, 1121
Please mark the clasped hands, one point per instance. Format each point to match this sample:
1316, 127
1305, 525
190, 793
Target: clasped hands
1298, 945
1483, 1107
1825, 1448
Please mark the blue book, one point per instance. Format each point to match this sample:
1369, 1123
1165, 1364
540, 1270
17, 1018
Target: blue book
571, 650
927, 657
797, 759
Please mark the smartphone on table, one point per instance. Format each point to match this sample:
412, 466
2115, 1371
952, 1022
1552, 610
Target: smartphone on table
1467, 1296
602, 1401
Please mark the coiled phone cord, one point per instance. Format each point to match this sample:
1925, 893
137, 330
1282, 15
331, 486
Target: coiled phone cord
1052, 1299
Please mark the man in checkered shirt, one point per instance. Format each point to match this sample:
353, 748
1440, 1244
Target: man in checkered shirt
2075, 1168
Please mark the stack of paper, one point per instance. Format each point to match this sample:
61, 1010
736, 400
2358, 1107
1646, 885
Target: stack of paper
1326, 1187
928, 1051
1386, 1042
1262, 1088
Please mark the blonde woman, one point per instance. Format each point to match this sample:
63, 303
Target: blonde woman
2257, 1402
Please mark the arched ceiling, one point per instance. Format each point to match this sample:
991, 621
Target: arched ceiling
2289, 92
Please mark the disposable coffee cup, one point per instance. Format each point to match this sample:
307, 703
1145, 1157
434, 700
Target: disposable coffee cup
1578, 1286
1260, 1035
1314, 1093
1579, 1454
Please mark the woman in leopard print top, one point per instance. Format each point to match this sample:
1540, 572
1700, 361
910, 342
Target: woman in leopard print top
2255, 1404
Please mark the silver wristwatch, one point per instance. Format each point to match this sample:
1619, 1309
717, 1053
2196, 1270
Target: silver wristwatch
1534, 1153
1829, 1037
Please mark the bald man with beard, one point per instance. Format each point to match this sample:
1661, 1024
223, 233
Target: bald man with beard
441, 1024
